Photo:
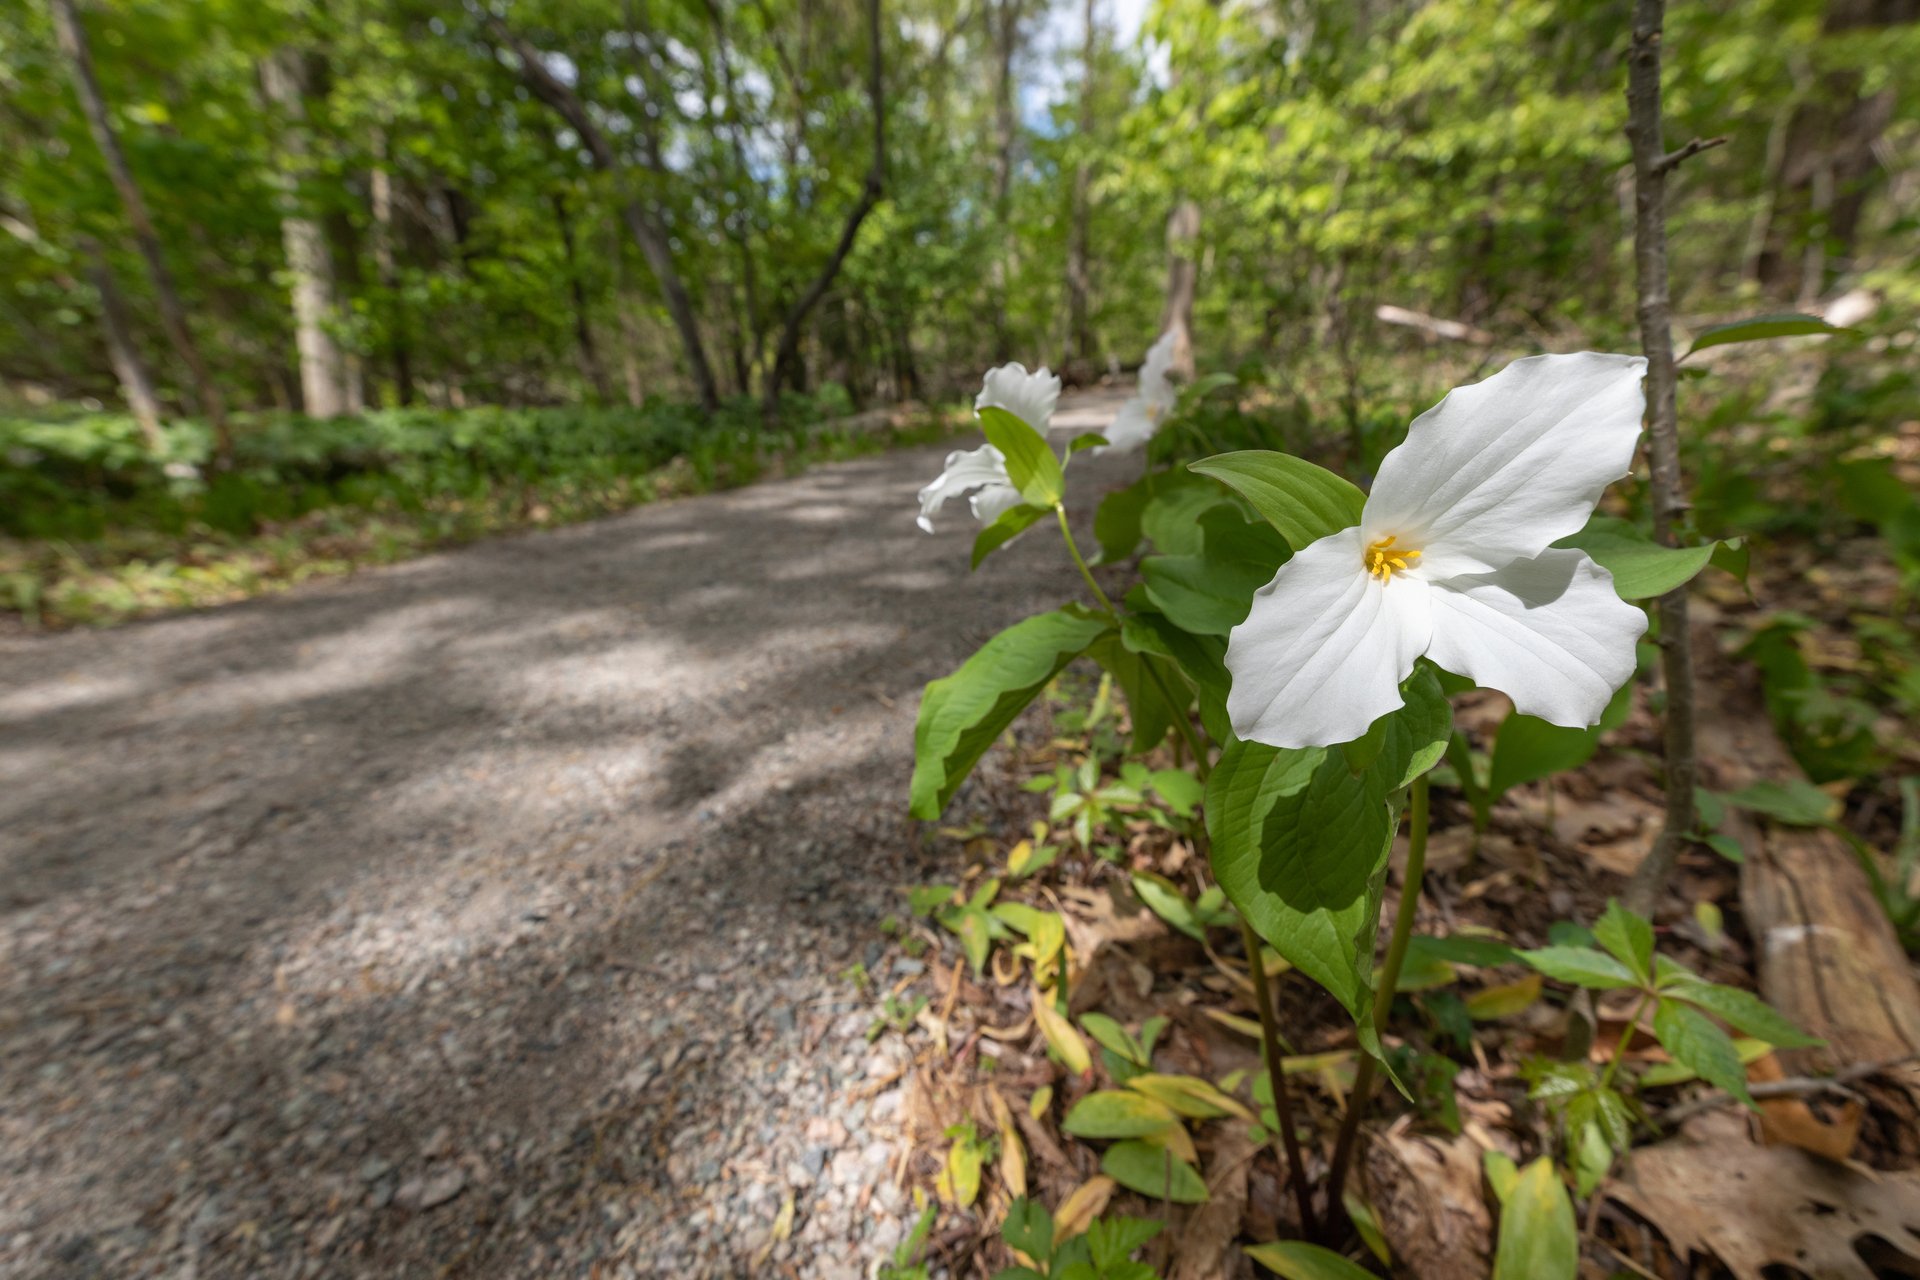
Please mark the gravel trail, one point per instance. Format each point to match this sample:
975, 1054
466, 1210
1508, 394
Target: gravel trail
485, 915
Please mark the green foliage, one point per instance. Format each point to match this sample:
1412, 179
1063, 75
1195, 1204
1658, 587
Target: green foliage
963, 714
1300, 843
1298, 1260
1104, 1251
1538, 1237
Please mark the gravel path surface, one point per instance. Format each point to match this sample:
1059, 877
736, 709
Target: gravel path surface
484, 915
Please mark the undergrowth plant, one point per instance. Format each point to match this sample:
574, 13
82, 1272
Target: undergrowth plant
1296, 641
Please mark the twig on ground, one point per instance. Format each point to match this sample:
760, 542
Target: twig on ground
1791, 1087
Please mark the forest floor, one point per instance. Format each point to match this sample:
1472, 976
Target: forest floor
487, 914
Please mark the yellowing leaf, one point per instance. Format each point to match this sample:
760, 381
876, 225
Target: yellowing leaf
1190, 1096
1066, 1043
1078, 1210
1503, 1001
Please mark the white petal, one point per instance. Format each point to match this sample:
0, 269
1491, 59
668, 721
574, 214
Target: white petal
1323, 652
990, 502
1132, 427
1549, 632
966, 469
1153, 371
1502, 469
1031, 397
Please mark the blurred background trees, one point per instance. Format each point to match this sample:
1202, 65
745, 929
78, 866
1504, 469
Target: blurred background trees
324, 208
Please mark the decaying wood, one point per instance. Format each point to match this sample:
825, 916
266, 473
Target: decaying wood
1826, 954
1432, 326
1427, 1198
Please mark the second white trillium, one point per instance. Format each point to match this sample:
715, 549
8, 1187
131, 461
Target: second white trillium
1139, 418
1453, 560
1030, 397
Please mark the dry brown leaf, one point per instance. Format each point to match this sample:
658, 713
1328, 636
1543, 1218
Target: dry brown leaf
1079, 1210
1013, 1157
1208, 1247
1791, 1120
1713, 1190
1426, 1197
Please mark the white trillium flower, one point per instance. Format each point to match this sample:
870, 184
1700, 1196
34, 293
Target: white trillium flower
1139, 418
1030, 397
1453, 560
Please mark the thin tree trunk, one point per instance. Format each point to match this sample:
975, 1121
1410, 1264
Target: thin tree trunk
399, 339
1183, 281
173, 317
627, 310
285, 79
136, 384
787, 354
1645, 132
1003, 27
1079, 359
651, 239
582, 329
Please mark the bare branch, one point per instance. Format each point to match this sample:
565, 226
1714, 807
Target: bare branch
1694, 148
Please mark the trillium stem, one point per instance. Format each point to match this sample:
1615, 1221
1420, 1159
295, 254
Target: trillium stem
1626, 1038
1276, 1074
1079, 562
1383, 997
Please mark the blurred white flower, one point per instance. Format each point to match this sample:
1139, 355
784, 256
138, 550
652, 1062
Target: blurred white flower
1140, 416
1031, 397
1452, 559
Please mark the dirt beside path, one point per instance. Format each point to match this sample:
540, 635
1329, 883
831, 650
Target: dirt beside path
485, 915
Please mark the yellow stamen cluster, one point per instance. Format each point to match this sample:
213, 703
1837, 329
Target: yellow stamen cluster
1384, 558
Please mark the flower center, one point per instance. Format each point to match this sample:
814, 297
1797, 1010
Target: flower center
1154, 411
1385, 557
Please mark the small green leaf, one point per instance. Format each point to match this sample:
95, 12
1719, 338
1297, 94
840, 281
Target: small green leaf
1165, 900
1085, 440
1743, 1011
1641, 567
1695, 1042
1029, 1228
1009, 525
1118, 1113
1153, 1172
1727, 847
1761, 328
1538, 1239
1581, 966
1031, 466
1464, 948
961, 715
1797, 803
1628, 937
1113, 1240
1113, 1037
1298, 1260
1303, 501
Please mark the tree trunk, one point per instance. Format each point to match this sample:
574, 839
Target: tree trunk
1828, 167
787, 354
650, 238
136, 384
582, 329
173, 317
1183, 281
1003, 29
286, 79
1646, 133
399, 339
1079, 361
628, 311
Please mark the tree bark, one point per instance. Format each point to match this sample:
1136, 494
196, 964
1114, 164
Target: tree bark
285, 78
1003, 30
787, 354
136, 384
1645, 132
1079, 360
651, 240
582, 328
1183, 281
1828, 166
399, 338
173, 317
